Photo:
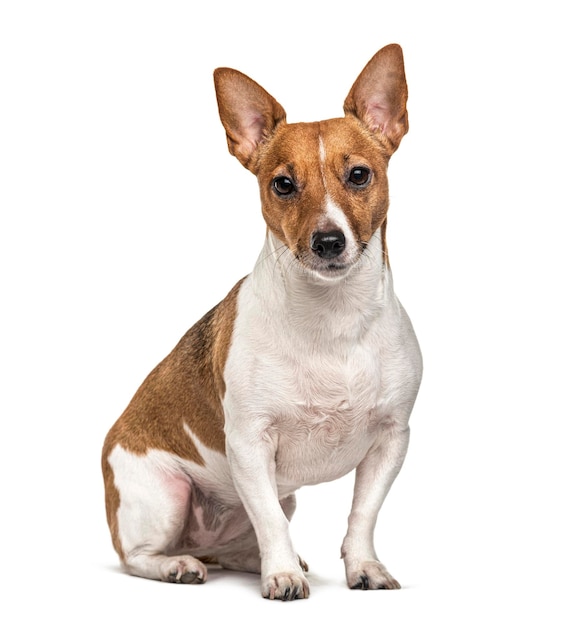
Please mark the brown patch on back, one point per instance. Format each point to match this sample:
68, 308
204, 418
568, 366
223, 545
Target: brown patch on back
187, 387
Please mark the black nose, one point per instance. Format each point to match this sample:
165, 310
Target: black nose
328, 245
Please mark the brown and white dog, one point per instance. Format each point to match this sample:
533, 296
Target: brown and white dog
308, 369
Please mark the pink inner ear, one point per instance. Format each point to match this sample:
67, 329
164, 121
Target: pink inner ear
253, 125
378, 114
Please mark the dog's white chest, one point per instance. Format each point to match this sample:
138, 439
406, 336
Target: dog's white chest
327, 417
321, 393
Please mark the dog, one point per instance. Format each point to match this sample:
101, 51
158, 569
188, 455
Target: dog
308, 369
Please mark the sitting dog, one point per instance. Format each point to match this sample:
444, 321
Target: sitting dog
307, 370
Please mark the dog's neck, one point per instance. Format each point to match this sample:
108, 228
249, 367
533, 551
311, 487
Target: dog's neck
316, 307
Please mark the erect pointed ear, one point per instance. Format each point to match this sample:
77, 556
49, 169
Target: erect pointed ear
248, 113
378, 96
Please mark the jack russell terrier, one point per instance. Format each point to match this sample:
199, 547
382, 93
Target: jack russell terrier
308, 369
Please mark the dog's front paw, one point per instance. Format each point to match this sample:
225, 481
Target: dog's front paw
371, 575
285, 586
183, 569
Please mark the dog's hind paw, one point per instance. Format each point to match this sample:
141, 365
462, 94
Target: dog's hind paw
183, 569
371, 575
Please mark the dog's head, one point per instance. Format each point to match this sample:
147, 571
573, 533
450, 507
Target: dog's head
323, 185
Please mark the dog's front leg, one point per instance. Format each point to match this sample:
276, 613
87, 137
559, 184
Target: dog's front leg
252, 461
374, 477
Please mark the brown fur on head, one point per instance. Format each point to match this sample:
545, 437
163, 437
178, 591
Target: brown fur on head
259, 136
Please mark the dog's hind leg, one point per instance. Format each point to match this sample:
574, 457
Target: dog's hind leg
148, 514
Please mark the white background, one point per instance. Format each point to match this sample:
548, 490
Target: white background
124, 219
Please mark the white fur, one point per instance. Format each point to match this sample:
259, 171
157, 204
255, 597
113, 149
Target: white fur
157, 507
334, 219
320, 379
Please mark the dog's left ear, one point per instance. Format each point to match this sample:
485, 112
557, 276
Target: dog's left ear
248, 113
378, 96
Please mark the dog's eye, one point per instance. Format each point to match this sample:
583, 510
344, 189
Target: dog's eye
359, 176
283, 186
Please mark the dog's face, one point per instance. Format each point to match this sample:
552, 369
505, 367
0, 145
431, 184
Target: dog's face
324, 191
323, 185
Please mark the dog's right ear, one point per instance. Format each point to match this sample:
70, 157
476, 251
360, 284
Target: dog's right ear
248, 113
